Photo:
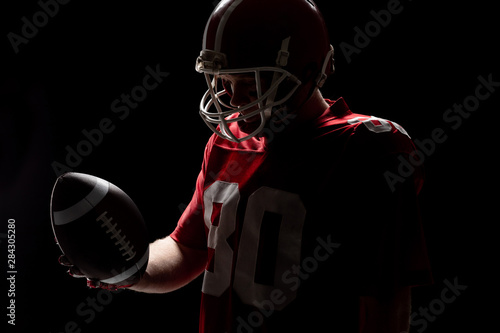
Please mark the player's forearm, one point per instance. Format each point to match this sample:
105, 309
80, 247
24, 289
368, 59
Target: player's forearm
171, 266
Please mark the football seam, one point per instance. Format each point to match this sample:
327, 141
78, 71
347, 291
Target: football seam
125, 248
86, 204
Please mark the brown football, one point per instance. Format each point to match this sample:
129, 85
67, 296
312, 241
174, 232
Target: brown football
99, 229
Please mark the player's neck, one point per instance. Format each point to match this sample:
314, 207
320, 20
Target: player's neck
316, 104
313, 108
303, 116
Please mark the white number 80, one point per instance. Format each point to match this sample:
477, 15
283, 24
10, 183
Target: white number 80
265, 199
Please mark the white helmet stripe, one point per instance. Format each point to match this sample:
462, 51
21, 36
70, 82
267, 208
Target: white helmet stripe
222, 25
83, 206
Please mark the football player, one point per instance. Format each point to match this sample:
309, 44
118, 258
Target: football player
293, 223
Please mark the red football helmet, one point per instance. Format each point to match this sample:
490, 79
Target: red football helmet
283, 43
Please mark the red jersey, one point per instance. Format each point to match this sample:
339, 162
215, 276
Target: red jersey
300, 224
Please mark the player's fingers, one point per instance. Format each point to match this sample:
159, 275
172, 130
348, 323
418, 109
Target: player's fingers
91, 283
98, 284
64, 261
75, 272
94, 283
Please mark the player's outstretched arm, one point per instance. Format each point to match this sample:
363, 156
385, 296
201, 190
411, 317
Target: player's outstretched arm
171, 266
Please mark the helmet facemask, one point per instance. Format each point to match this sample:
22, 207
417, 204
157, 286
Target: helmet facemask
215, 107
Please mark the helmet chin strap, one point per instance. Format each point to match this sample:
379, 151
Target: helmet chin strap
321, 78
317, 84
281, 61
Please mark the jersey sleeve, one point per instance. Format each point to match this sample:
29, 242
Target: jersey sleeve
190, 230
190, 227
392, 250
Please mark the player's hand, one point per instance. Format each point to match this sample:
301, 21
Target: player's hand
91, 283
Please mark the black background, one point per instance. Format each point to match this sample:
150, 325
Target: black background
64, 79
